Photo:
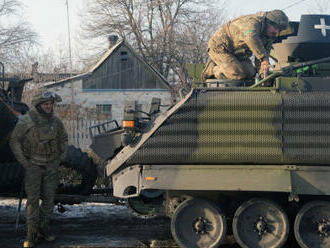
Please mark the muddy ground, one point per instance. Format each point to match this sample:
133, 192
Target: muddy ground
91, 225
86, 225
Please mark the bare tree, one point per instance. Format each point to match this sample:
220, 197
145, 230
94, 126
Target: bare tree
54, 61
15, 34
190, 45
167, 33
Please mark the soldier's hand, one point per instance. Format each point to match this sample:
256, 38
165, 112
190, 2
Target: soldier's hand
265, 65
25, 165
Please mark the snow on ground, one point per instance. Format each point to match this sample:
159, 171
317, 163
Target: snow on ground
9, 206
86, 209
88, 225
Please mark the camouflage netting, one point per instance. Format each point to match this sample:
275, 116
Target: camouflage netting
11, 177
252, 127
78, 173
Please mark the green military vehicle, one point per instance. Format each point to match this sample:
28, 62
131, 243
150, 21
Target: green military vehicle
237, 157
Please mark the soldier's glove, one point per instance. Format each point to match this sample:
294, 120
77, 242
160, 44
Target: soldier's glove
26, 165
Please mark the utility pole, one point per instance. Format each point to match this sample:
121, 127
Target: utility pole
70, 54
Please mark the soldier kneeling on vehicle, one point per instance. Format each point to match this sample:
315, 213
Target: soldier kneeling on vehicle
231, 46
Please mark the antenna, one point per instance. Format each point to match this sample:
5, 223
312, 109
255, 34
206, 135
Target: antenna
291, 5
70, 54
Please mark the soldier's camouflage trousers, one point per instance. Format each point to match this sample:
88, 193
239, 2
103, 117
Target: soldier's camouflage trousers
229, 65
40, 183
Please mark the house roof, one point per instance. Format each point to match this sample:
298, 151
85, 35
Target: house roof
104, 58
65, 80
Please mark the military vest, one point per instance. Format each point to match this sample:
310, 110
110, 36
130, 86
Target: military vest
41, 143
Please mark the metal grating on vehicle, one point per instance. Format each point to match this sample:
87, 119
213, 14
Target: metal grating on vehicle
306, 127
231, 127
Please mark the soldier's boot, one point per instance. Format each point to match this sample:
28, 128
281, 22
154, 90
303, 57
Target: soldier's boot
31, 237
208, 70
45, 233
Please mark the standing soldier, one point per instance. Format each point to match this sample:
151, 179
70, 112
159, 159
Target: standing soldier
231, 47
39, 142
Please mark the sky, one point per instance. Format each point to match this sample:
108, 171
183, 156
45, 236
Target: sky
238, 7
49, 17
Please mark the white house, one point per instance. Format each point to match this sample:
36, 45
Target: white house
120, 75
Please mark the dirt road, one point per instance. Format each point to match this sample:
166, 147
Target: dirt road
87, 225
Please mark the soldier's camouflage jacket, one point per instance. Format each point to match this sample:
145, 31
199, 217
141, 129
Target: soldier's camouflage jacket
243, 35
38, 140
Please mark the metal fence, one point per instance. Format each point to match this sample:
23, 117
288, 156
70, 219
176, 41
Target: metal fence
78, 131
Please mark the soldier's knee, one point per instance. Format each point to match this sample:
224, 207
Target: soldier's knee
221, 72
235, 73
239, 71
250, 70
218, 72
235, 76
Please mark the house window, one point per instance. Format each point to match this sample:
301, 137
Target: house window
62, 107
123, 56
103, 108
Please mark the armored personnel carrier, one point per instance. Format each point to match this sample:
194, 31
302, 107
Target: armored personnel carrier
240, 157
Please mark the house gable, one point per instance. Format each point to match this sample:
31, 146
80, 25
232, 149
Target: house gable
122, 69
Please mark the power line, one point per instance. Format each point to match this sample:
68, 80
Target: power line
291, 5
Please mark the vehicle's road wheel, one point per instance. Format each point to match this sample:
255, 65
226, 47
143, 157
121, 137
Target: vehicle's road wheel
260, 223
312, 225
198, 223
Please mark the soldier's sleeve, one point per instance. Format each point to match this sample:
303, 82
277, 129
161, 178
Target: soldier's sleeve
16, 140
63, 140
252, 38
269, 46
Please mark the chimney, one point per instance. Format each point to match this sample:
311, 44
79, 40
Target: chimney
34, 72
113, 40
35, 68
